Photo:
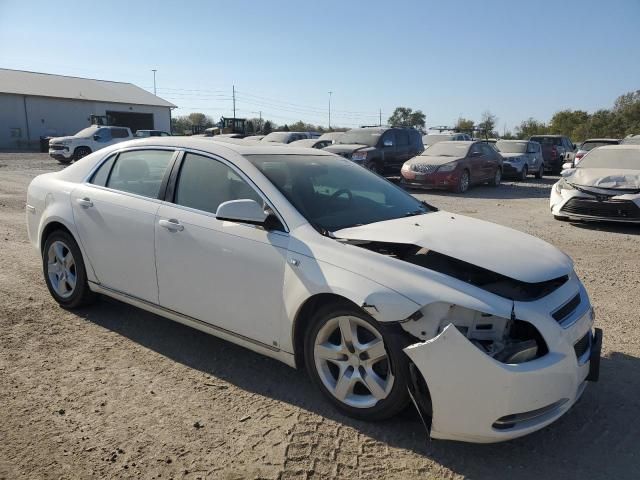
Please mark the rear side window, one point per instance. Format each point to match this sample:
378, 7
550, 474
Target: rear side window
119, 133
140, 172
205, 183
102, 174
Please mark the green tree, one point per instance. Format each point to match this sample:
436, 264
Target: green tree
406, 117
530, 127
488, 124
258, 123
465, 125
572, 123
627, 110
267, 128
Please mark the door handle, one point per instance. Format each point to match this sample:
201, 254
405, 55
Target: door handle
172, 225
85, 202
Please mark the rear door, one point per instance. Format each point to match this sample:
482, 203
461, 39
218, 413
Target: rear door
115, 213
491, 160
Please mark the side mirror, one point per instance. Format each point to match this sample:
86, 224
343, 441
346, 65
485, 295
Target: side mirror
476, 154
388, 143
241, 211
96, 138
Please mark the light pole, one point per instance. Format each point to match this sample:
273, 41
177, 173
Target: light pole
154, 80
330, 92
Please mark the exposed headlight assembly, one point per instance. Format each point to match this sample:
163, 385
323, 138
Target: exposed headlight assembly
563, 185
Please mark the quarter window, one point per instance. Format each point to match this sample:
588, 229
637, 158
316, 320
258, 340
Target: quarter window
205, 183
140, 172
102, 174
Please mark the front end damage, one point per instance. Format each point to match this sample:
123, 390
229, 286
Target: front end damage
482, 378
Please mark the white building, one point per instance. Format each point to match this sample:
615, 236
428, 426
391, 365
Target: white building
34, 105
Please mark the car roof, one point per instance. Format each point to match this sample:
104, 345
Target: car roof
550, 135
459, 142
601, 140
305, 142
210, 145
509, 140
628, 146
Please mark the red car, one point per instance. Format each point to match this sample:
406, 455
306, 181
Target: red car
454, 166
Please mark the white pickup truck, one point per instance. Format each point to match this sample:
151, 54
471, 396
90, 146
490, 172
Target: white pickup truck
86, 141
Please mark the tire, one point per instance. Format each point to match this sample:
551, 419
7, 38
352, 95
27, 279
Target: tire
65, 276
524, 173
64, 161
540, 172
80, 152
463, 182
332, 357
497, 178
561, 218
374, 166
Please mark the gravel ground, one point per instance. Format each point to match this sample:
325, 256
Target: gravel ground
114, 392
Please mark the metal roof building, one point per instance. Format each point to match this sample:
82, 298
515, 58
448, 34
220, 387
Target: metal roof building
34, 105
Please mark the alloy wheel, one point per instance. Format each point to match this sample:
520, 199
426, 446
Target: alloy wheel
61, 269
352, 362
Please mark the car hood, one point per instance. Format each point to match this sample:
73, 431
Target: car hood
432, 160
345, 148
484, 244
605, 178
512, 156
61, 139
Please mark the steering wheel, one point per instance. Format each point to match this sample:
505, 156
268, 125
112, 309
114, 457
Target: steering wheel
337, 193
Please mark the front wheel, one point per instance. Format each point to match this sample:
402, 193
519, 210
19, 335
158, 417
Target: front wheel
358, 367
524, 173
81, 152
463, 182
497, 178
374, 166
540, 172
64, 271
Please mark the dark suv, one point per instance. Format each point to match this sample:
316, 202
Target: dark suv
556, 150
379, 148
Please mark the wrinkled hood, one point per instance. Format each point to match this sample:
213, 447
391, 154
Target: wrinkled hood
432, 160
484, 244
605, 178
346, 148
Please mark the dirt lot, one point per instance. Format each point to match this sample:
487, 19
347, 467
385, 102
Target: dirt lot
115, 392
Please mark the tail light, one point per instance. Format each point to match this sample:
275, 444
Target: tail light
579, 156
554, 151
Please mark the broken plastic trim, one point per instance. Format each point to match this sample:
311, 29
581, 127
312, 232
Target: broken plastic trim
488, 280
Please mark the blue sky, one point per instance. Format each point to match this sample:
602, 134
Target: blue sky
516, 59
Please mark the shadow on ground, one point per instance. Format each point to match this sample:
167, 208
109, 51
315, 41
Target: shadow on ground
598, 437
625, 228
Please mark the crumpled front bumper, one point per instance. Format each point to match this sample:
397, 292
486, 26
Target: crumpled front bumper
475, 398
558, 202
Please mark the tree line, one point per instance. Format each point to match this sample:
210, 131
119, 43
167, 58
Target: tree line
617, 122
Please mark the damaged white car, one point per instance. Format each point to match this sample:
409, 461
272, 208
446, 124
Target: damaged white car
605, 186
303, 256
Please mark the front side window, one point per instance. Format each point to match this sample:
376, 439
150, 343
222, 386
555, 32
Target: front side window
104, 135
205, 183
333, 193
140, 172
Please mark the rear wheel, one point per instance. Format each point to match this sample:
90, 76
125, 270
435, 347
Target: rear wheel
374, 166
356, 364
64, 271
81, 152
540, 172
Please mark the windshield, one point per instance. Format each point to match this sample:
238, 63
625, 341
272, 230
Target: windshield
622, 158
333, 193
447, 149
361, 136
87, 132
279, 137
511, 147
547, 140
588, 146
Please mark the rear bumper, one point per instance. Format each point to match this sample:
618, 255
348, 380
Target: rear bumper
475, 398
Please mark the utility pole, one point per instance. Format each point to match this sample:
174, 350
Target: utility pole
154, 81
261, 128
330, 92
234, 102
380, 121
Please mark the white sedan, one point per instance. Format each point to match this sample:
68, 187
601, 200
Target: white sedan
308, 258
604, 186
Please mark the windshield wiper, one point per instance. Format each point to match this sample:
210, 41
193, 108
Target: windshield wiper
415, 212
